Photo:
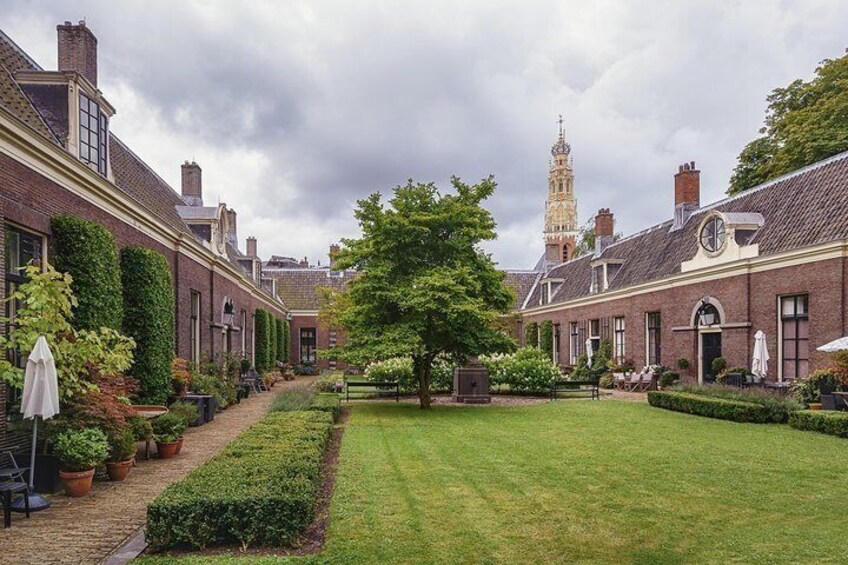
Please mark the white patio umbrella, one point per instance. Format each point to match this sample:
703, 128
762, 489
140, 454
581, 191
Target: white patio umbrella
589, 352
40, 399
835, 345
759, 365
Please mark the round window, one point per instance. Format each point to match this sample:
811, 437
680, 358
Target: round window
712, 234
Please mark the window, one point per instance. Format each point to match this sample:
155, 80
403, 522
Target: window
21, 249
712, 234
307, 345
795, 336
618, 339
194, 336
595, 335
93, 128
653, 338
574, 340
597, 279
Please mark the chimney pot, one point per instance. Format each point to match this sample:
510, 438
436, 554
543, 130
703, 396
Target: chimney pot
77, 48
192, 184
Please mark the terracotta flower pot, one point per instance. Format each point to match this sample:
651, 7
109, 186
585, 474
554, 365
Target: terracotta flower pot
179, 445
77, 483
118, 471
168, 450
815, 406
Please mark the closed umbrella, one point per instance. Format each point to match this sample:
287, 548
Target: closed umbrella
589, 352
759, 365
40, 399
835, 345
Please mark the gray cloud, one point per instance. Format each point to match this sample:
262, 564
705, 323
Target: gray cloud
300, 108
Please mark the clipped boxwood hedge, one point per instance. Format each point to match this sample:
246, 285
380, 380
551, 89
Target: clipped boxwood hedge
262, 335
327, 402
287, 341
721, 408
272, 340
89, 253
280, 335
827, 422
261, 489
149, 319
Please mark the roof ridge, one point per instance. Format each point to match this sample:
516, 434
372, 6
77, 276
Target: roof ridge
145, 165
20, 51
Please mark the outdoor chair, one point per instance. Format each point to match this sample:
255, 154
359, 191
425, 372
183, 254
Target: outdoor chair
634, 382
619, 380
7, 489
735, 379
830, 402
9, 469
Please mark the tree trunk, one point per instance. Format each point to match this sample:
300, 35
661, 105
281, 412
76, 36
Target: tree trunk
422, 366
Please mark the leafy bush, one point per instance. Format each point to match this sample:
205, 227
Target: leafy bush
260, 489
546, 338
280, 334
807, 389
87, 251
272, 341
531, 335
286, 341
292, 400
81, 450
683, 363
141, 428
188, 411
528, 370
779, 406
327, 403
149, 320
262, 347
718, 365
441, 375
723, 409
121, 446
168, 427
607, 381
329, 382
668, 378
603, 357
397, 370
828, 422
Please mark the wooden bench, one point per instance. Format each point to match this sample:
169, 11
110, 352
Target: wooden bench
576, 386
380, 386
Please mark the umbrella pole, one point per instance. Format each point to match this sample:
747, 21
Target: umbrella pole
36, 501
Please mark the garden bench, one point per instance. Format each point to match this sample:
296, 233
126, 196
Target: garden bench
7, 489
576, 386
380, 386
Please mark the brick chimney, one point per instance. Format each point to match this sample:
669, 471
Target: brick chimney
687, 193
78, 50
192, 184
251, 247
334, 249
232, 232
304, 263
604, 227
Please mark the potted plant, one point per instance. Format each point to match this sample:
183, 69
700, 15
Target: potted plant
121, 454
168, 434
668, 378
79, 453
180, 376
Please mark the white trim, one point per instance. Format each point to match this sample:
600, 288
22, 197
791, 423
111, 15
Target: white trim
701, 332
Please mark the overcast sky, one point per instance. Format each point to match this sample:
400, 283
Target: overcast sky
297, 109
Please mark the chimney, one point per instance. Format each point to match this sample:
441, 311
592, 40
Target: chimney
232, 233
334, 249
192, 184
304, 263
687, 193
251, 247
78, 50
604, 225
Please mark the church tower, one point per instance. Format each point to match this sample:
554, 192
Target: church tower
561, 206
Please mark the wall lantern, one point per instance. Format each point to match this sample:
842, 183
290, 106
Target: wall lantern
706, 313
227, 317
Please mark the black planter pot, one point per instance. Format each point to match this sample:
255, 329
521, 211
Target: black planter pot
46, 480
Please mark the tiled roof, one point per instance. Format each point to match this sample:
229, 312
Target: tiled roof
522, 283
12, 59
299, 288
805, 208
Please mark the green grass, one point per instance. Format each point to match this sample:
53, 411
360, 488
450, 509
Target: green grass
585, 482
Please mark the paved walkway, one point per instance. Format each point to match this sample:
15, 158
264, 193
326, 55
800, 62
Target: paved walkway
87, 530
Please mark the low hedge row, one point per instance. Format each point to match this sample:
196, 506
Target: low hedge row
327, 402
260, 489
721, 408
828, 422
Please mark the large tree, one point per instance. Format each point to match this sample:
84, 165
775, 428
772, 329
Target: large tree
805, 122
425, 286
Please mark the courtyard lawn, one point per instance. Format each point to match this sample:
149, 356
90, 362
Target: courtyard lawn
581, 481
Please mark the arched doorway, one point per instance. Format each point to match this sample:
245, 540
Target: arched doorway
707, 317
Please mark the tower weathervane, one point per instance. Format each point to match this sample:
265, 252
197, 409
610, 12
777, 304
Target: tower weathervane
560, 125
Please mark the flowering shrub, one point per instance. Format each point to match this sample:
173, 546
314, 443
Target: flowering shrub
441, 375
806, 389
397, 370
180, 375
528, 370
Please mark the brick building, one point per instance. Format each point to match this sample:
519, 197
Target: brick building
57, 156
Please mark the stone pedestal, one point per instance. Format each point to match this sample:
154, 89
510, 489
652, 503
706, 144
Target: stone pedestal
471, 384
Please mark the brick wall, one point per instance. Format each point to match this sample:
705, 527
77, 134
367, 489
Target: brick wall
323, 339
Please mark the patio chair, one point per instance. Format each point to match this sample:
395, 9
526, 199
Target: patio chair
619, 380
647, 382
634, 382
9, 469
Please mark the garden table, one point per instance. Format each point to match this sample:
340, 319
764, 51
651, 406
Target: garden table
843, 397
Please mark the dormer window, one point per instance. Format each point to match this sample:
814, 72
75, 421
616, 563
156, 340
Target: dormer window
603, 271
93, 132
713, 234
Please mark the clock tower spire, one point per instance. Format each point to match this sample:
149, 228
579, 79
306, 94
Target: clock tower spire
561, 205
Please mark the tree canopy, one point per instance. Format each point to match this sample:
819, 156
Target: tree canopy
425, 286
805, 122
